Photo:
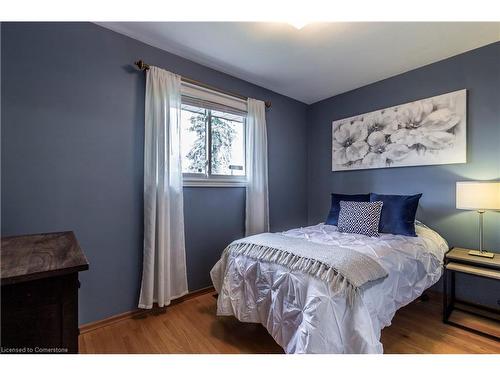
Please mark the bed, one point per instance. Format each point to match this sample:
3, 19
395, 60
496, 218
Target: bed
305, 314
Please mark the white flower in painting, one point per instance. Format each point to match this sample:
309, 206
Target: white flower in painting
422, 129
440, 120
437, 140
411, 115
349, 142
424, 115
383, 153
381, 121
434, 140
406, 137
396, 152
377, 143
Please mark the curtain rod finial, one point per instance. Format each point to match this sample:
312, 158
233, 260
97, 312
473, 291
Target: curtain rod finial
141, 65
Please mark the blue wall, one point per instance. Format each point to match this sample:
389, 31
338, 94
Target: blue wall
72, 155
479, 72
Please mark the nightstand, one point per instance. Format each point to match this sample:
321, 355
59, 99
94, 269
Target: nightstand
458, 260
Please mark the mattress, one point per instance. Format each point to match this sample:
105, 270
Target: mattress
304, 315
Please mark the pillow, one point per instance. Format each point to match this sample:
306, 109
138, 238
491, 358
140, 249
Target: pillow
398, 214
360, 217
333, 216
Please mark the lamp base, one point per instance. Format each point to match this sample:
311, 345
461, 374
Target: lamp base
483, 254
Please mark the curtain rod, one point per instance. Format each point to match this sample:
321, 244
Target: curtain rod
143, 66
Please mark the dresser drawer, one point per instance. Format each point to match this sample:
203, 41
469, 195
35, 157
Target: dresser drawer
41, 315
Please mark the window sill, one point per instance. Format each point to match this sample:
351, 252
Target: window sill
213, 183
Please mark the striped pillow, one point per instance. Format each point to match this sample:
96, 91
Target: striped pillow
360, 217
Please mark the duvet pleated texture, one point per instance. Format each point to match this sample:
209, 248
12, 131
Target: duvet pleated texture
305, 314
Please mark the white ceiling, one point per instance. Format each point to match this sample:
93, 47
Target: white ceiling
318, 61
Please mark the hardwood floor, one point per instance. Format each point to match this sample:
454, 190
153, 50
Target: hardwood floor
192, 327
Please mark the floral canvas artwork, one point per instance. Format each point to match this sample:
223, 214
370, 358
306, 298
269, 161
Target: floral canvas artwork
425, 132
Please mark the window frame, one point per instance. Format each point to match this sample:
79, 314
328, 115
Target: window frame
208, 179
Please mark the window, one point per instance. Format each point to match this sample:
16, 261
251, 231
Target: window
213, 144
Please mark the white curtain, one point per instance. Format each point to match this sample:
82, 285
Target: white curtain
257, 197
164, 265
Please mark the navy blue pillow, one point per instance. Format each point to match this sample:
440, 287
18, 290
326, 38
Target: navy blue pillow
333, 216
398, 213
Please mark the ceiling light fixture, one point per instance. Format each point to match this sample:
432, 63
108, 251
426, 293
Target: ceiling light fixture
298, 24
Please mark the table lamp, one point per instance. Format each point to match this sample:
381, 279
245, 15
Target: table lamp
480, 196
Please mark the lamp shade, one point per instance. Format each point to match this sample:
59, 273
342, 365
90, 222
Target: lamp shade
478, 195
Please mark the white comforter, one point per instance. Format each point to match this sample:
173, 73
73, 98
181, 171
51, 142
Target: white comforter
304, 315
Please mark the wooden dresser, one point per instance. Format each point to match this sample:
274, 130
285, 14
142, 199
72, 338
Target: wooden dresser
40, 293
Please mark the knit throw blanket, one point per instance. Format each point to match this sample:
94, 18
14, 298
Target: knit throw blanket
344, 269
